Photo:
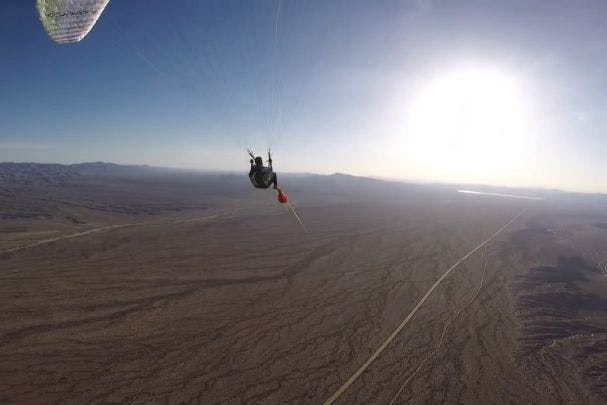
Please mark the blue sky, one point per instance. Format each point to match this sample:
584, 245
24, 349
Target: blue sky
333, 86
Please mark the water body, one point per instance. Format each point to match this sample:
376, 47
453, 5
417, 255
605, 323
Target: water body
499, 195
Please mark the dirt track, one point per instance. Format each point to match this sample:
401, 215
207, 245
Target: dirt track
448, 323
411, 314
104, 229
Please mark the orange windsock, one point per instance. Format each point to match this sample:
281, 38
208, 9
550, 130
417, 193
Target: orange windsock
282, 197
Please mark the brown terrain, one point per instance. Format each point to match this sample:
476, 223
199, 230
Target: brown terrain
127, 284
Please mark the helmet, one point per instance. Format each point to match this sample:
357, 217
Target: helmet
258, 160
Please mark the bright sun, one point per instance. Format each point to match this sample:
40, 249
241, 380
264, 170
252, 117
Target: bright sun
469, 122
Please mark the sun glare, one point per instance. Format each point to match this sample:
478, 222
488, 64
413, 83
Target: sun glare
469, 124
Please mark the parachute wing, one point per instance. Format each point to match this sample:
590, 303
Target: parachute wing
69, 20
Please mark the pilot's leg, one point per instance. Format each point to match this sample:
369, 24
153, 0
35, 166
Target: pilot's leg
274, 180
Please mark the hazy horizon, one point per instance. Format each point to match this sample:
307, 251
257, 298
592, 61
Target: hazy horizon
308, 173
478, 92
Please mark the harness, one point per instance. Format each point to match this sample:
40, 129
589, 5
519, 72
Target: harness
260, 178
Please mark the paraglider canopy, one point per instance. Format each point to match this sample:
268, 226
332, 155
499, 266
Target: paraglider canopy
69, 20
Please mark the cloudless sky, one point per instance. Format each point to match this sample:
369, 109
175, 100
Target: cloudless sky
328, 84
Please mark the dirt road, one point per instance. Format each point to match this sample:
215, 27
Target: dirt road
411, 314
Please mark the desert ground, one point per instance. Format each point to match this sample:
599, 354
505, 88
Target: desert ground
124, 284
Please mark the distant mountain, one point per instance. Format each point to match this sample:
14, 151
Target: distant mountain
43, 190
31, 190
52, 171
237, 185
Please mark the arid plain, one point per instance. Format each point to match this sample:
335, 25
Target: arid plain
139, 285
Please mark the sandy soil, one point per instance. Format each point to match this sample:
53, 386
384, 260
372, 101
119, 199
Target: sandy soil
225, 300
